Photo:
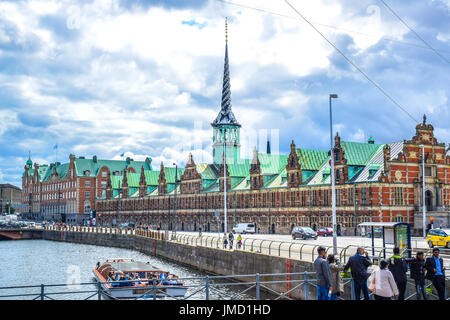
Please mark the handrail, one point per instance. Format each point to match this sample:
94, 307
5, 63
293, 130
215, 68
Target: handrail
290, 249
260, 245
279, 249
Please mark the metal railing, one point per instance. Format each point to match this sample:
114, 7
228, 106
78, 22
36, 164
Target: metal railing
285, 249
276, 286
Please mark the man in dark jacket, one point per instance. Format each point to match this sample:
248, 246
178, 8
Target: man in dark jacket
417, 272
358, 265
436, 272
398, 268
323, 275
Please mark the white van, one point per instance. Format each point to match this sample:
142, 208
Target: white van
244, 228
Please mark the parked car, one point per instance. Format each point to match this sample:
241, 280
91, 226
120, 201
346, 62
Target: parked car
438, 237
325, 232
303, 233
244, 228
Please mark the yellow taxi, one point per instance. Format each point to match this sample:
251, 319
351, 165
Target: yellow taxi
438, 237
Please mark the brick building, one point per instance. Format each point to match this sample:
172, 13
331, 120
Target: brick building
374, 182
10, 195
68, 191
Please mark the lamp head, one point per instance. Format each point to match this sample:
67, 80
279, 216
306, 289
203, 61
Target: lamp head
333, 96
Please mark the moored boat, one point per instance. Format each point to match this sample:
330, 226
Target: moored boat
124, 278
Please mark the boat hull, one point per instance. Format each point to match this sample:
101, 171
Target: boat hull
141, 292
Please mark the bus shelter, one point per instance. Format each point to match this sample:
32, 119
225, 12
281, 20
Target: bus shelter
395, 233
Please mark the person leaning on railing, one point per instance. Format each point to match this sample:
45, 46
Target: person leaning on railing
358, 265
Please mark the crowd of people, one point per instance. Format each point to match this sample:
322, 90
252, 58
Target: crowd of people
386, 282
228, 240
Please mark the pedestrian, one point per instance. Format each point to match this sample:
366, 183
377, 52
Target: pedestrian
417, 272
382, 283
231, 238
336, 280
436, 272
358, 265
200, 231
239, 241
398, 268
225, 241
323, 275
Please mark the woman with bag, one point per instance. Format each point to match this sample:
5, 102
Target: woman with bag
336, 280
382, 283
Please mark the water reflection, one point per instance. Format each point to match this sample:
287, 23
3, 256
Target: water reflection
36, 262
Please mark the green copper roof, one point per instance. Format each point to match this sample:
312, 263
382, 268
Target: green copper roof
312, 159
169, 172
359, 154
151, 177
114, 165
272, 163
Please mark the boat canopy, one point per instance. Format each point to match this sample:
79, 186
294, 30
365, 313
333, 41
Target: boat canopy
132, 266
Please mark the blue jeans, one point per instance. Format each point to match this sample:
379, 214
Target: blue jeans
322, 292
420, 289
361, 285
332, 296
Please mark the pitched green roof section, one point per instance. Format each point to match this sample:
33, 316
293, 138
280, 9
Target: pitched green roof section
312, 159
207, 171
82, 165
359, 154
272, 163
169, 172
151, 177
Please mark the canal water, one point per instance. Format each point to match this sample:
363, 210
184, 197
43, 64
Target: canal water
36, 262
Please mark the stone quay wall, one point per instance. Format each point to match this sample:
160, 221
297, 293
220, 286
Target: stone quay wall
214, 261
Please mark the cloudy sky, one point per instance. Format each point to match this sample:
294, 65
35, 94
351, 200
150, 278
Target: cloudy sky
106, 77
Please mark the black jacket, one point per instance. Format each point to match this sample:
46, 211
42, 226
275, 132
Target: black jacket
430, 265
417, 268
398, 268
358, 265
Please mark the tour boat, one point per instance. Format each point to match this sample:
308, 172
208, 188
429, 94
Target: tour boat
137, 280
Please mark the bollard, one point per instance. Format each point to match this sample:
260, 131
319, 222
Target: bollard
306, 286
42, 292
99, 291
257, 286
207, 288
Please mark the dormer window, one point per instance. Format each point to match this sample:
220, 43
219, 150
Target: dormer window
87, 172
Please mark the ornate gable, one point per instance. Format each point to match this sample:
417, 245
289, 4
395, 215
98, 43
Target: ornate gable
256, 178
162, 185
293, 168
340, 162
191, 180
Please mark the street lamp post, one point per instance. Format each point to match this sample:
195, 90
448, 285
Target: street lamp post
333, 191
355, 203
424, 209
175, 220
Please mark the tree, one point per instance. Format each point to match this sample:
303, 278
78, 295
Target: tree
9, 207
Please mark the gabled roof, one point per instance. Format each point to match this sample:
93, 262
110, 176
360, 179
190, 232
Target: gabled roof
311, 159
82, 165
358, 153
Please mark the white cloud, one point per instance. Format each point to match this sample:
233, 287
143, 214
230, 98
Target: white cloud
137, 80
